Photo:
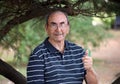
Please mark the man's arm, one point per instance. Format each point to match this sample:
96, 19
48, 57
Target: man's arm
90, 77
35, 70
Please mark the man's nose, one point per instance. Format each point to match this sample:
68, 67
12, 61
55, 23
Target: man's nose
58, 27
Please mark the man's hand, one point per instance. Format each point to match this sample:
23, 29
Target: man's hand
87, 61
90, 77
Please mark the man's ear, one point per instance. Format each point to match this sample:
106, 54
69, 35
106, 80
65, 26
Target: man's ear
68, 29
46, 27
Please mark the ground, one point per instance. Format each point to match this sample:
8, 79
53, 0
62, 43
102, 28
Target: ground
107, 59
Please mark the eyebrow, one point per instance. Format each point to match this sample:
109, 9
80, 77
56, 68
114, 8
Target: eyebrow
53, 23
56, 23
62, 22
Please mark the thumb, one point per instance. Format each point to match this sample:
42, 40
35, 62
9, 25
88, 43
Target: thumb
88, 53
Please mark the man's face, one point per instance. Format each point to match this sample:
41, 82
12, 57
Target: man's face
57, 27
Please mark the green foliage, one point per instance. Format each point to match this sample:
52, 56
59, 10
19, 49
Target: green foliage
25, 37
108, 20
82, 30
33, 34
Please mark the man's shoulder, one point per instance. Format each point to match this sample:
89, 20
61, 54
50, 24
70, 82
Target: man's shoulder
76, 48
39, 48
73, 45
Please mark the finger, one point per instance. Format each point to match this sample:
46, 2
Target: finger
87, 67
88, 52
87, 59
87, 64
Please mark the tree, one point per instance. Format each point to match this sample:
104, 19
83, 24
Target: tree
7, 71
117, 80
14, 12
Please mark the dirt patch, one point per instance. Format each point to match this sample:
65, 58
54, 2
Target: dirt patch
109, 54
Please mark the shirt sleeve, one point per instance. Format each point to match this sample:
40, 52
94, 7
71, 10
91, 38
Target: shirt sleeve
83, 53
35, 69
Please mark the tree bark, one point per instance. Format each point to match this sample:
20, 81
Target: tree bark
10, 73
117, 81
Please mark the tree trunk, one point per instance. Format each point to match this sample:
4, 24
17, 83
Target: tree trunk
117, 81
9, 72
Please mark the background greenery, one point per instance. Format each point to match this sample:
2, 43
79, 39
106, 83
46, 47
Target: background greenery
20, 32
25, 37
31, 33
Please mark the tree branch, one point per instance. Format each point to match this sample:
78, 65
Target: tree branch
9, 72
27, 10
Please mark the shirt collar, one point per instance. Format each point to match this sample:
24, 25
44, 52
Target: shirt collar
51, 48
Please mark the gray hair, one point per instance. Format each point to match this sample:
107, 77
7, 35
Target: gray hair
47, 17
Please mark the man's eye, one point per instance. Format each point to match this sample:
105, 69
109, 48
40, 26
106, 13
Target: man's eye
53, 24
62, 24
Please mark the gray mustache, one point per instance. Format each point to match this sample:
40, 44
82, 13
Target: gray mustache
58, 33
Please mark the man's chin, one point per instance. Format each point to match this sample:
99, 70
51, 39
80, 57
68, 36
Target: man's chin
59, 40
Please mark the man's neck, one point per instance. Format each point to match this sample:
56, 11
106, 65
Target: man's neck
59, 45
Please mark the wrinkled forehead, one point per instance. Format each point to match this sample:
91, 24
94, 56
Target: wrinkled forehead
57, 17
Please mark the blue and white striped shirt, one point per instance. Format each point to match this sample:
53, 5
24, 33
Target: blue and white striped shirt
48, 66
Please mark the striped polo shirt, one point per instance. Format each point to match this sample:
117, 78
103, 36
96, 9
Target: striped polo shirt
48, 66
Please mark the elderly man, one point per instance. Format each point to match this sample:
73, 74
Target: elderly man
58, 61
